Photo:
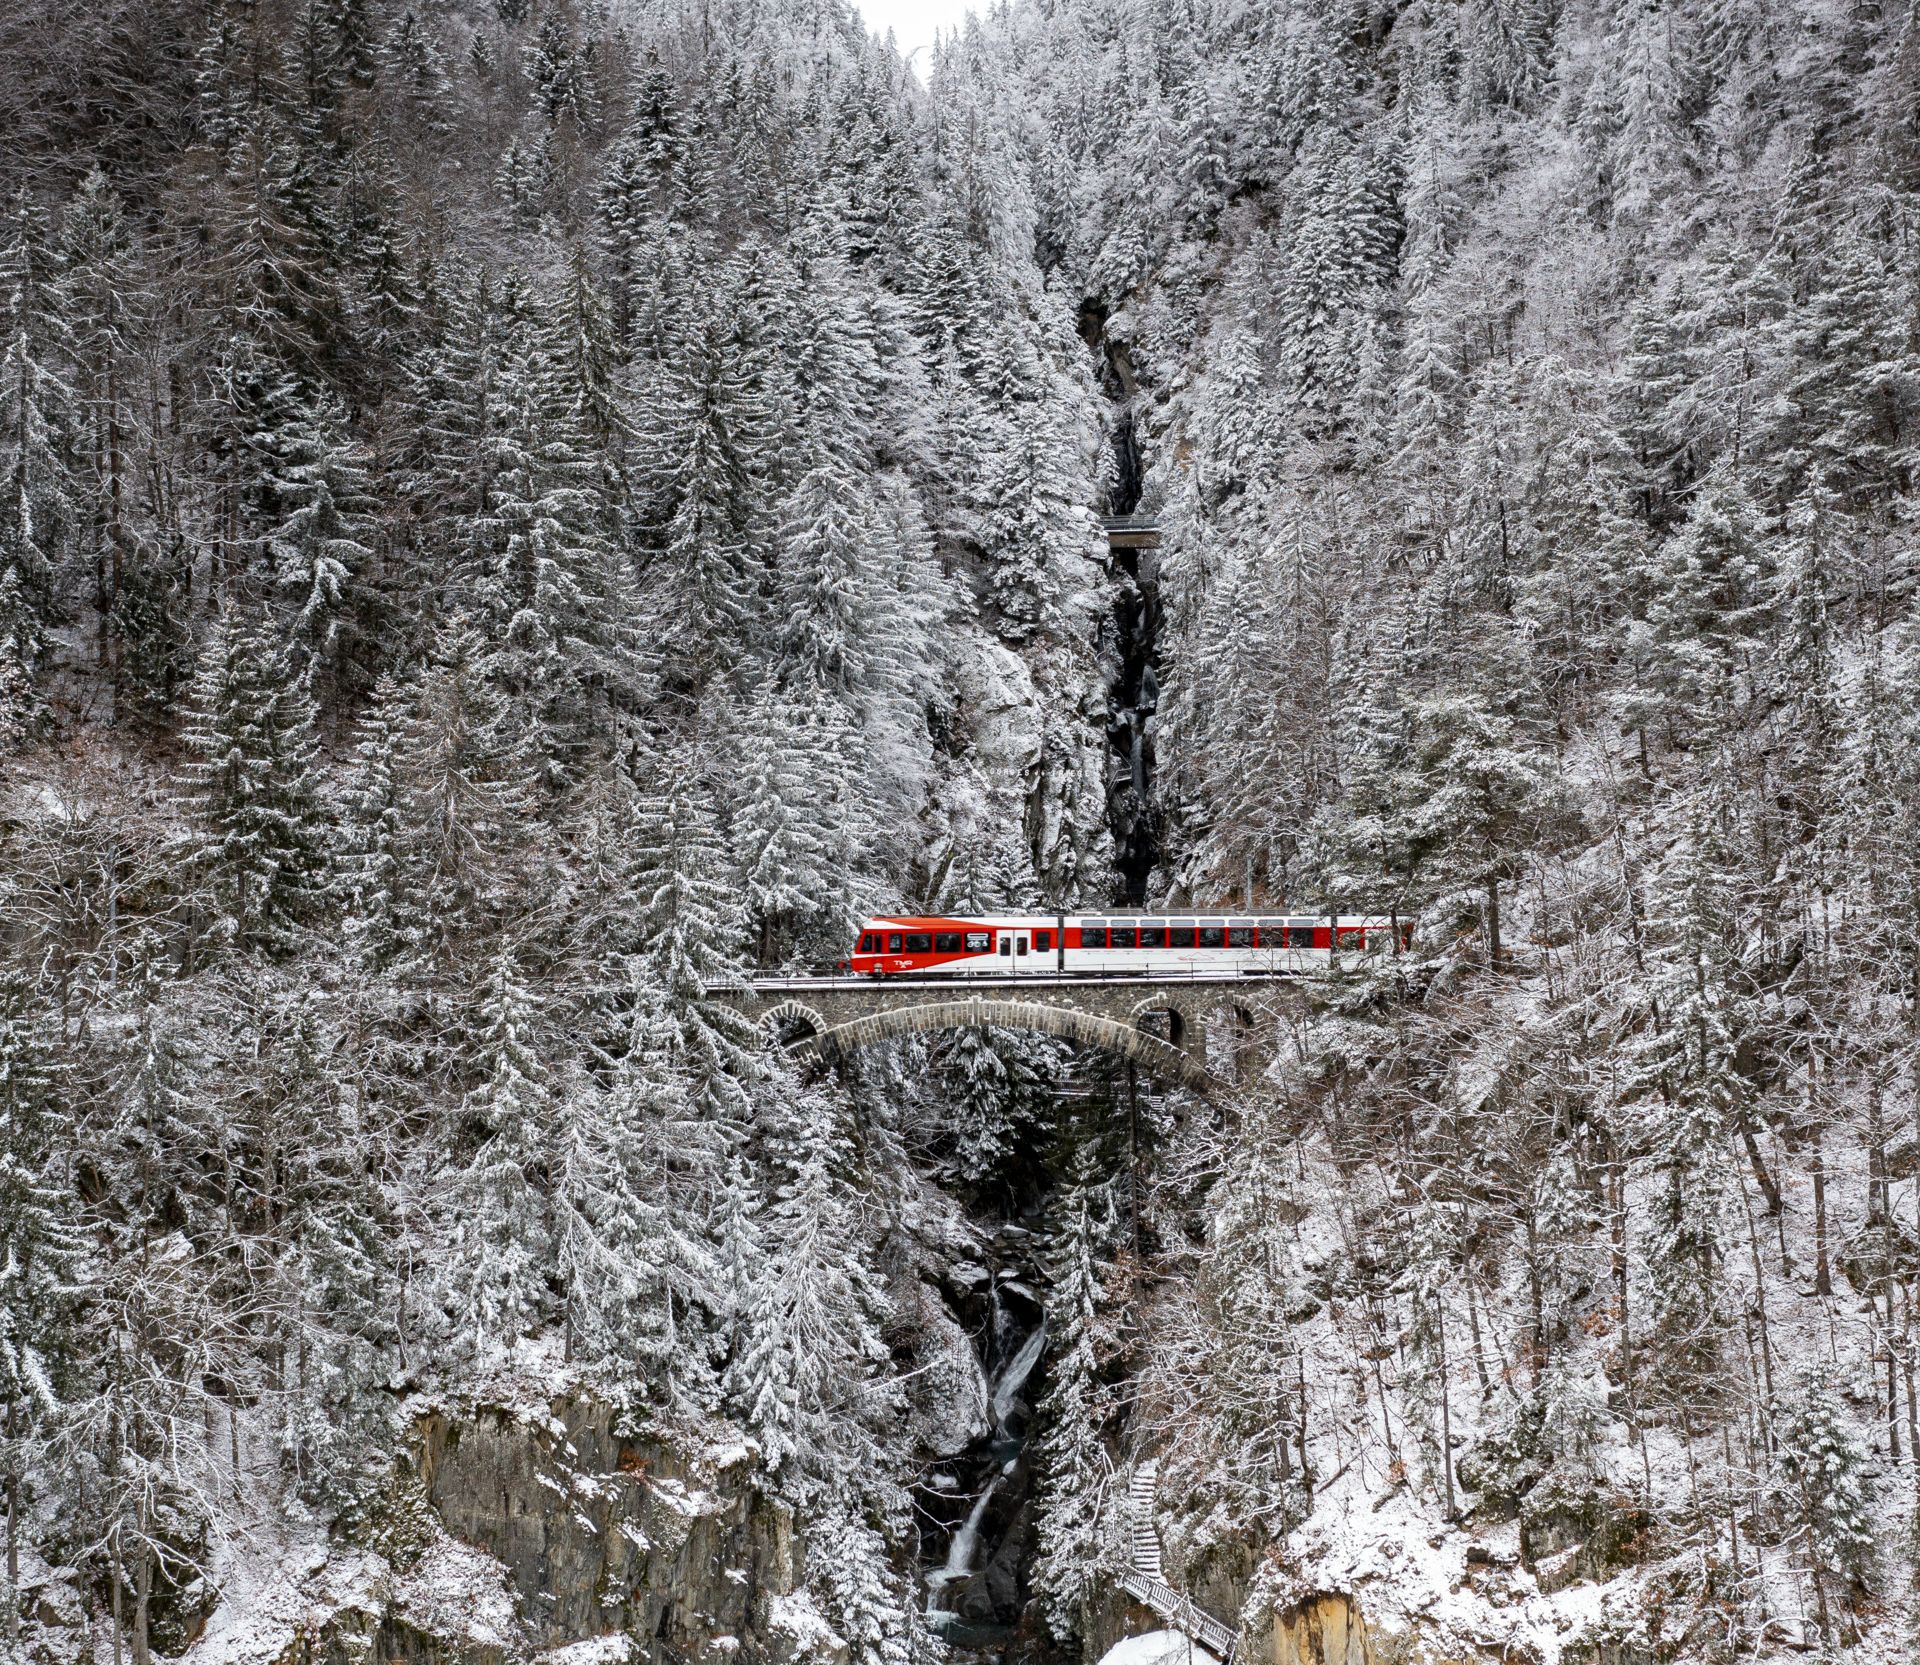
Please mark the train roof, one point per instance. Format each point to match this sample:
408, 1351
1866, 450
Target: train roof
1095, 916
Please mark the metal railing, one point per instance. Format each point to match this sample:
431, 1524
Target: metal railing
1178, 1609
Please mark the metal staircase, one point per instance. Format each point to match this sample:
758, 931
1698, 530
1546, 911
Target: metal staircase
1146, 1541
1146, 1579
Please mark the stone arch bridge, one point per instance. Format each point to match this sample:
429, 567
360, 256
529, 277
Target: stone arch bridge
1200, 1032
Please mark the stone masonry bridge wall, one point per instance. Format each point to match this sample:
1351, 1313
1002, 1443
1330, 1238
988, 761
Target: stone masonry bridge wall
1201, 1031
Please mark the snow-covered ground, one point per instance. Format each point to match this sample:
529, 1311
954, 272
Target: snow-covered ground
1158, 1647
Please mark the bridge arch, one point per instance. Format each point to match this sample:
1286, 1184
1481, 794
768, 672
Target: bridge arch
1151, 1053
785, 1016
1163, 1003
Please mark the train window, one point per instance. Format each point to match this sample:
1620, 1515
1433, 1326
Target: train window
1153, 936
919, 942
893, 942
1180, 936
1239, 936
1043, 942
1273, 933
1093, 936
946, 942
979, 942
1122, 936
1299, 936
869, 943
1213, 936
1006, 948
1351, 936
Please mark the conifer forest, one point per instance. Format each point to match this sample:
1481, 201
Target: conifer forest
518, 517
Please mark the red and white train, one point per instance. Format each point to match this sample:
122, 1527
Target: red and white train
1112, 944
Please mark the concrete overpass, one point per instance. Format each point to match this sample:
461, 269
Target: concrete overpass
1163, 1024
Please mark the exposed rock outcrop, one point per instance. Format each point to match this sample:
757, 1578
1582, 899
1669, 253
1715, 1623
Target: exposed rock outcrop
510, 1534
1326, 1628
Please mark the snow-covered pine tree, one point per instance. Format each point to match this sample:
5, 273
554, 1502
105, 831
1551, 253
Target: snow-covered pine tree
106, 290
444, 471
371, 871
1248, 1401
997, 1088
636, 1207
826, 567
258, 836
561, 72
861, 1593
692, 933
37, 431
1035, 524
322, 545
494, 1282
1706, 594
777, 843
460, 770
806, 1372
1690, 1059
413, 68
38, 1250
707, 509
544, 576
1070, 1462
1828, 1486
1431, 1252
1483, 794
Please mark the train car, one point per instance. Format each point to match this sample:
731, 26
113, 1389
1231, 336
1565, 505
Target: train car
1112, 944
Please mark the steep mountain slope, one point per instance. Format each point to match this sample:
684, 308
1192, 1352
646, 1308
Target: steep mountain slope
514, 512
1527, 394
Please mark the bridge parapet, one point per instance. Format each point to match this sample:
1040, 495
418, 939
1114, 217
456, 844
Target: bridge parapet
1131, 531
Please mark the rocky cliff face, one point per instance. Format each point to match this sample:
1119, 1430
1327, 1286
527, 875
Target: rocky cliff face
600, 1534
1322, 1629
512, 1533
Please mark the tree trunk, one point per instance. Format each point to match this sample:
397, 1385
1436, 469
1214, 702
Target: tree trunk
119, 1586
13, 1537
1819, 1584
1537, 1342
1617, 1220
1759, 1292
1446, 1407
1479, 1348
1493, 923
1733, 1509
1762, 1178
142, 1592
1822, 1270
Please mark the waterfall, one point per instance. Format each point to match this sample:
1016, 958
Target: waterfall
961, 1600
960, 1552
1014, 1377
